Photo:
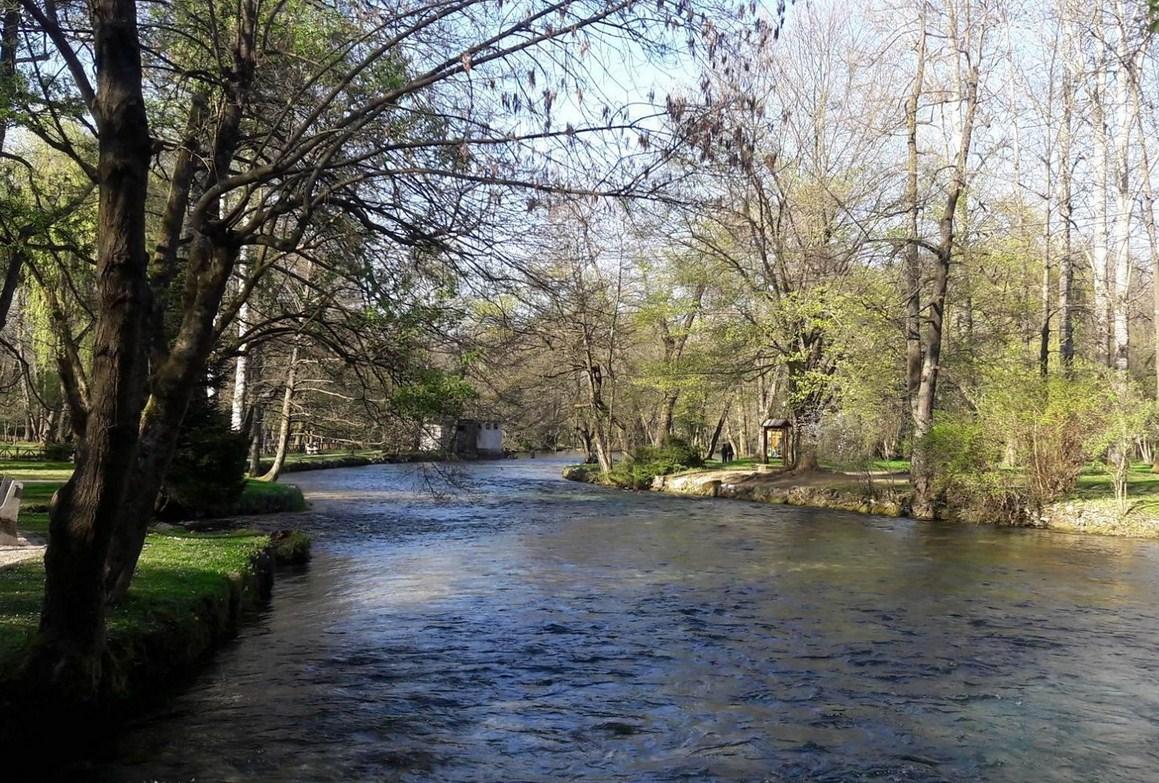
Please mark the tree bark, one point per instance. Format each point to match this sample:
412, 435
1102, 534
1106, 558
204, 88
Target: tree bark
285, 426
719, 428
913, 260
1100, 253
241, 367
256, 431
1121, 257
1066, 208
11, 282
177, 370
921, 468
8, 43
85, 512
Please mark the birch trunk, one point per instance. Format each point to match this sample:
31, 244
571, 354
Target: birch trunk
241, 366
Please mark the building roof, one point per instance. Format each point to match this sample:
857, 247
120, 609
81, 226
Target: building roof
776, 424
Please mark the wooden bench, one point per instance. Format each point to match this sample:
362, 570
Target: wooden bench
10, 494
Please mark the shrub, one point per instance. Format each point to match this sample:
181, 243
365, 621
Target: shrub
1044, 429
646, 462
58, 452
1128, 414
586, 472
207, 474
290, 547
965, 456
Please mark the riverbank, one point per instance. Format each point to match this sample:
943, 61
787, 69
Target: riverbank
888, 493
297, 463
191, 594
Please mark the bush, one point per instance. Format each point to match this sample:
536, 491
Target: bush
290, 547
586, 472
58, 452
263, 497
207, 474
965, 456
1023, 446
646, 462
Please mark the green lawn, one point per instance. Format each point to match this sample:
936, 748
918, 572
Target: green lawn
35, 470
258, 497
306, 459
264, 497
176, 575
746, 462
1095, 482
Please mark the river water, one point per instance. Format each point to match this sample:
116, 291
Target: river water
500, 624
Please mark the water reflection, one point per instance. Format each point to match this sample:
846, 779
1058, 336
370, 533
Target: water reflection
521, 628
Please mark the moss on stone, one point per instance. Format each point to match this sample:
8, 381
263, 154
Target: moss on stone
290, 547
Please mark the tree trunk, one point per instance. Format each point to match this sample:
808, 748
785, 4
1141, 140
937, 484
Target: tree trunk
172, 388
1066, 210
285, 427
1148, 214
241, 367
921, 469
256, 432
9, 39
719, 428
85, 512
10, 283
1124, 201
667, 415
180, 366
1100, 254
913, 260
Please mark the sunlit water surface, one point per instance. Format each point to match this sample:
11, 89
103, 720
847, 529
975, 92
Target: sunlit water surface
504, 625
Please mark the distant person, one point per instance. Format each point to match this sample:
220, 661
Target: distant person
726, 454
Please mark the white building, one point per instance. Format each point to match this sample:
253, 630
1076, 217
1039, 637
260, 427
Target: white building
465, 438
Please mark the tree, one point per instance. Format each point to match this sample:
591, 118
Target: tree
369, 124
967, 27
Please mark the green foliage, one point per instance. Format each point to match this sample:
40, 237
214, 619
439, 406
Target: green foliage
965, 456
1126, 415
869, 394
290, 547
433, 393
58, 452
647, 462
207, 475
265, 497
1023, 445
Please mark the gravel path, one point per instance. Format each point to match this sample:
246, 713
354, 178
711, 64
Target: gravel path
30, 550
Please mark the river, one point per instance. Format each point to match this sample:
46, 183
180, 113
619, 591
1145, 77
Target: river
496, 623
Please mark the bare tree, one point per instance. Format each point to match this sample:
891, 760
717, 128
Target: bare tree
968, 24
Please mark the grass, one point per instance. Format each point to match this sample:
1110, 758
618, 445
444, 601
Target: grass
325, 456
258, 497
746, 462
328, 459
1095, 482
35, 470
264, 497
177, 574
